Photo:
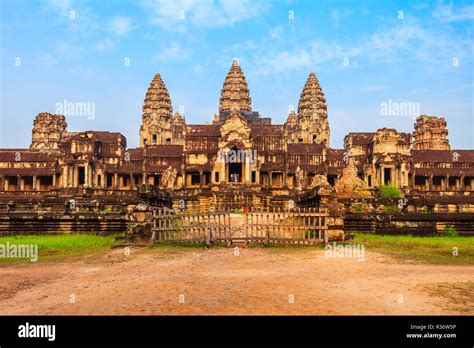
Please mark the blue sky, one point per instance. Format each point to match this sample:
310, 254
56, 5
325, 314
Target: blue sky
364, 53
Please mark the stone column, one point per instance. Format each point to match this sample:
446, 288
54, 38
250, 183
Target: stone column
270, 181
6, 184
18, 183
132, 181
2, 183
201, 179
91, 176
71, 176
116, 180
22, 183
222, 173
462, 182
431, 183
54, 180
86, 175
247, 169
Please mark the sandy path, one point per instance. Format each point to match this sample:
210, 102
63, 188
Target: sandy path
216, 281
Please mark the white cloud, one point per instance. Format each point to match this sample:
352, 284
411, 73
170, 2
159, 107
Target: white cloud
275, 33
337, 15
174, 15
121, 25
105, 45
447, 13
173, 52
47, 59
284, 61
61, 4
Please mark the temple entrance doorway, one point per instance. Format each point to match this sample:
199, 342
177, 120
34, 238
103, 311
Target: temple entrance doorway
387, 176
235, 172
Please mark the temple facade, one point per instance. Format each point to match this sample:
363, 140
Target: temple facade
238, 151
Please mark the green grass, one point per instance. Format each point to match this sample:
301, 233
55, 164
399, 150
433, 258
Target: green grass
434, 250
59, 246
389, 191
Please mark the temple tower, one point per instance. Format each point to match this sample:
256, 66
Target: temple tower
312, 113
48, 130
157, 114
235, 93
430, 133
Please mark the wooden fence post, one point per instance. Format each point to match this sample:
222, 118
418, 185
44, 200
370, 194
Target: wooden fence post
153, 232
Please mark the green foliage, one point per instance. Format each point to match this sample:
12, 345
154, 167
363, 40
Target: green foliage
61, 245
391, 208
237, 211
434, 250
389, 191
450, 231
359, 207
310, 234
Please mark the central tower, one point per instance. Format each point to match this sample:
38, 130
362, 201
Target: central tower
235, 96
157, 114
235, 92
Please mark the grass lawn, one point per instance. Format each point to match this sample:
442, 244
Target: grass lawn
58, 246
433, 250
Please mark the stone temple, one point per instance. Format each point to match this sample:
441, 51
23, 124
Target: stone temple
238, 159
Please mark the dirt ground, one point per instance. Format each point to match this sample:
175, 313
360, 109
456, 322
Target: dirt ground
222, 281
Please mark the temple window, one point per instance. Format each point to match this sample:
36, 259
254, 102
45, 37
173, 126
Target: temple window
28, 182
387, 172
154, 137
254, 176
81, 176
195, 179
99, 180
216, 177
168, 141
109, 179
369, 180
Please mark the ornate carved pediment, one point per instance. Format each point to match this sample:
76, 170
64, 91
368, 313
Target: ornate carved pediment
235, 131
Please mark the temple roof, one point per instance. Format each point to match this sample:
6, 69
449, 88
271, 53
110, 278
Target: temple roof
235, 93
312, 103
164, 151
305, 149
26, 155
203, 130
361, 138
443, 155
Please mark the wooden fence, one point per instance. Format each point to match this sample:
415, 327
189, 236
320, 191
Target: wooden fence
186, 226
298, 226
